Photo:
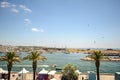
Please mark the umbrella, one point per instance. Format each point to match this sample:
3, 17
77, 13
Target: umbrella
23, 71
77, 71
52, 72
43, 71
3, 71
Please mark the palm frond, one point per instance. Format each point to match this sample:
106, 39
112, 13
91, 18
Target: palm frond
35, 56
10, 57
98, 55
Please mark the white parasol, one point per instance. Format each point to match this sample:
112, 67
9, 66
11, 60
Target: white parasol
23, 71
43, 71
52, 72
77, 71
3, 71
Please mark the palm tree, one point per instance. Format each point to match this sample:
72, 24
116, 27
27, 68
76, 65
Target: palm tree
10, 58
35, 56
97, 56
68, 72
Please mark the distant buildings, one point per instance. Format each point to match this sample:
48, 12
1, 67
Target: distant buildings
28, 49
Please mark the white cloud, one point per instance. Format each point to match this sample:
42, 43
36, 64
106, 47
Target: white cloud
13, 5
37, 30
14, 10
5, 5
27, 10
10, 6
27, 21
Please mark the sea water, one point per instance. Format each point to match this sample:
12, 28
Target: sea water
61, 59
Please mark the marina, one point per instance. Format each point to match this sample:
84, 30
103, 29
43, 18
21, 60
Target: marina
61, 59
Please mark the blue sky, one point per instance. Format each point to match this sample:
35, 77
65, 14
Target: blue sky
60, 23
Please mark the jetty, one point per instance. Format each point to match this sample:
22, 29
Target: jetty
110, 59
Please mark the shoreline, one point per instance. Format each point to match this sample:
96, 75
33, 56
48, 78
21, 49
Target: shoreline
110, 59
5, 48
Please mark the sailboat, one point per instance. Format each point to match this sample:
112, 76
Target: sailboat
66, 51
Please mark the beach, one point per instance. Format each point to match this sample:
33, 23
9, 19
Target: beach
57, 76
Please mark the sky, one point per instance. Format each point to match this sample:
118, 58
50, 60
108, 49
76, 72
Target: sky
60, 23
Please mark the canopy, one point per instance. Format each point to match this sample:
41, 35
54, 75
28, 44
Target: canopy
52, 72
23, 71
3, 71
43, 71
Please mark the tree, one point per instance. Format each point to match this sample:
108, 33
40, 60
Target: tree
35, 56
10, 58
68, 72
97, 56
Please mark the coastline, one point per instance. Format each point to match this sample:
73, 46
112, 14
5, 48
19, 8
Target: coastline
110, 59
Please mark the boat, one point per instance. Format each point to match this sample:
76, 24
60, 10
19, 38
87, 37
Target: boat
67, 52
52, 65
58, 68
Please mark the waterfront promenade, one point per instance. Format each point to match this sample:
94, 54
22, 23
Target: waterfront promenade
57, 76
102, 76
